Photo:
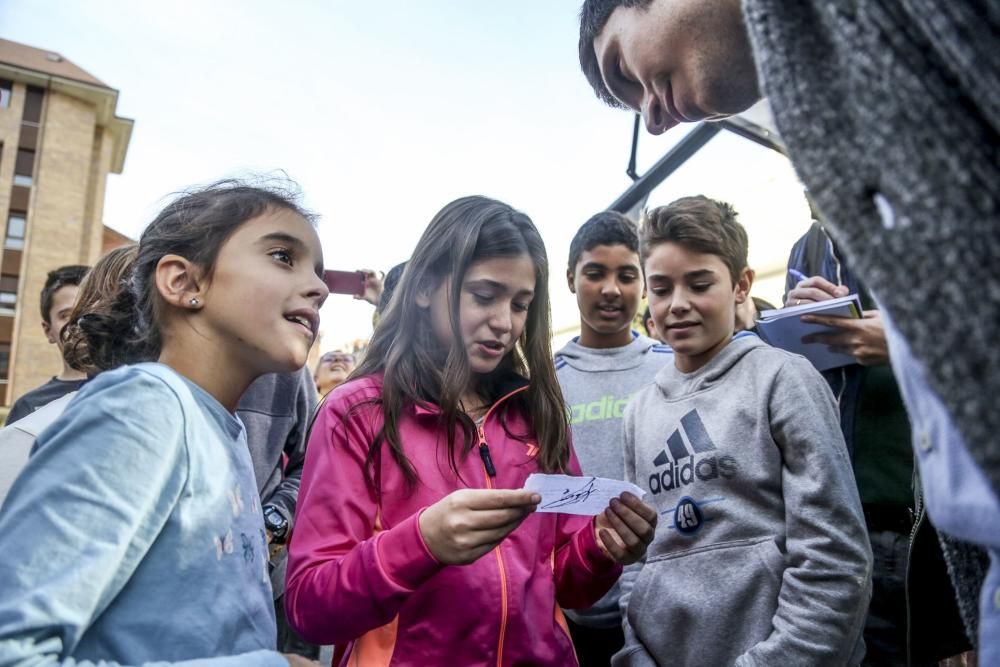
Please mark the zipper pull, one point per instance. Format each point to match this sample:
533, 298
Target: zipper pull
484, 453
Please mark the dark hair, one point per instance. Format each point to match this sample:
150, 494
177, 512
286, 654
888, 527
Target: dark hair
700, 224
194, 226
64, 275
389, 286
418, 372
645, 322
604, 228
594, 16
98, 335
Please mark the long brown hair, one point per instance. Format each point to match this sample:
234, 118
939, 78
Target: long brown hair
418, 372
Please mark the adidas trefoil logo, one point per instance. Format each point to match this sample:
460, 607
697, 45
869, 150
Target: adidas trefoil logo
684, 465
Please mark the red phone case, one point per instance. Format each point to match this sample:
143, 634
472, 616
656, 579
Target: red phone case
345, 282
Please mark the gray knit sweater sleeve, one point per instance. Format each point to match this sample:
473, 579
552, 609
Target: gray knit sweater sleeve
890, 112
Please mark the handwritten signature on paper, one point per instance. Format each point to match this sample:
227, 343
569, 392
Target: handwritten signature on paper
571, 497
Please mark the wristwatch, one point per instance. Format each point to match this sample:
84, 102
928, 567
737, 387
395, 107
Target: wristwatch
275, 522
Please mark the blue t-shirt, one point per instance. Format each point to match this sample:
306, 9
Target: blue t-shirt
134, 534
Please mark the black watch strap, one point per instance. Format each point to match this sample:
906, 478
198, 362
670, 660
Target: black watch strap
275, 522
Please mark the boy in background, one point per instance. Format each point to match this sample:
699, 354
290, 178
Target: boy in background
57, 299
598, 372
762, 557
914, 617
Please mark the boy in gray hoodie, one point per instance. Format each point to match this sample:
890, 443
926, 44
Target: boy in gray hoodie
598, 372
762, 557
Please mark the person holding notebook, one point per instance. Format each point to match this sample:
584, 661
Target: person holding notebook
877, 432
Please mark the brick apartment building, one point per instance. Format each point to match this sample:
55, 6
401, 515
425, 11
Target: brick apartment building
59, 140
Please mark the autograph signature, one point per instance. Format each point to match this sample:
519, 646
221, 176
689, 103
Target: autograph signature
571, 497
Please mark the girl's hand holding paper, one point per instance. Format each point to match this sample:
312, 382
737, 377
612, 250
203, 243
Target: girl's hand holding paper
624, 525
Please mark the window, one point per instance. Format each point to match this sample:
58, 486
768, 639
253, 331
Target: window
6, 90
33, 105
16, 223
8, 291
29, 136
24, 166
4, 361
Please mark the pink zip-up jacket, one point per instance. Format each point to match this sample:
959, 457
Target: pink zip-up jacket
361, 577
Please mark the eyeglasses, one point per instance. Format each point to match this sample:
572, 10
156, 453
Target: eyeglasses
331, 357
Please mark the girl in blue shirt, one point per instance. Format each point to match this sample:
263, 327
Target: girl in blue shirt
134, 534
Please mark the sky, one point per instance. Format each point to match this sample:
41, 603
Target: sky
383, 112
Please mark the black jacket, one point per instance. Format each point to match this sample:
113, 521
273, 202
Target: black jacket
935, 625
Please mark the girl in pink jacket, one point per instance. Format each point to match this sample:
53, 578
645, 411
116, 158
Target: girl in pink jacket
415, 543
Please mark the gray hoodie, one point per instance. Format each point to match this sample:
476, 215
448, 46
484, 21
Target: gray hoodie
761, 556
276, 411
597, 384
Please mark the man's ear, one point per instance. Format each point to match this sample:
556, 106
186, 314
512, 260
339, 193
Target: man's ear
178, 280
49, 333
744, 284
571, 281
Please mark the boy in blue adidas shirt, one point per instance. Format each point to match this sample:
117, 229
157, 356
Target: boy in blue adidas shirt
761, 557
599, 371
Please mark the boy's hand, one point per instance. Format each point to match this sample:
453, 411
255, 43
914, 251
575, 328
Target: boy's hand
625, 528
815, 288
863, 339
466, 524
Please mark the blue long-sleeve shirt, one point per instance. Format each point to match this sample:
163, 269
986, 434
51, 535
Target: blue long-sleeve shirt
960, 500
134, 534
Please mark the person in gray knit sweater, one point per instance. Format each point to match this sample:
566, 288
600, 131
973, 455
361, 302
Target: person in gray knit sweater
891, 116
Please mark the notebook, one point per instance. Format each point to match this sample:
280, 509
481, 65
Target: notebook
783, 328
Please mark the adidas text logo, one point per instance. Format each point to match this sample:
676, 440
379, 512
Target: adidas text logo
684, 466
606, 407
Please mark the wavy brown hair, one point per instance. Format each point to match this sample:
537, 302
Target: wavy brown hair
98, 335
417, 371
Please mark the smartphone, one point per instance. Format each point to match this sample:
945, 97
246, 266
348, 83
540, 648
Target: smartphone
345, 282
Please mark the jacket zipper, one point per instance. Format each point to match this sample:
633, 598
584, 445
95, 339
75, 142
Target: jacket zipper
840, 281
484, 454
919, 514
484, 448
490, 469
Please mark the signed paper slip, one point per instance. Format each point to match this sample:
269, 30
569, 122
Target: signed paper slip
577, 495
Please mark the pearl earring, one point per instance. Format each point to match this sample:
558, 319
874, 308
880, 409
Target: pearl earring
193, 302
